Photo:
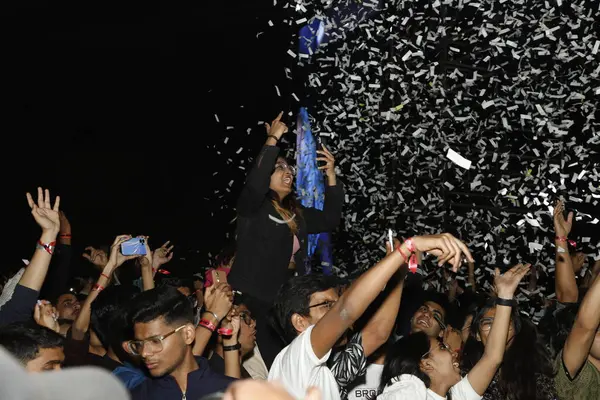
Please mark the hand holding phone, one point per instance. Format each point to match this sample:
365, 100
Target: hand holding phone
134, 247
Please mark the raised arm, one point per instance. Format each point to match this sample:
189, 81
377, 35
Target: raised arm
483, 372
218, 300
566, 285
231, 352
580, 339
58, 276
116, 259
379, 327
318, 221
258, 180
353, 303
48, 219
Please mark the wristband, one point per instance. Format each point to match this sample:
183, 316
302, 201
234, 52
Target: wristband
232, 348
412, 263
65, 236
505, 302
225, 331
49, 247
106, 276
274, 137
207, 324
565, 239
160, 271
98, 288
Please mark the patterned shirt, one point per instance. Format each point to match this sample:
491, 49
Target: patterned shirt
348, 363
585, 386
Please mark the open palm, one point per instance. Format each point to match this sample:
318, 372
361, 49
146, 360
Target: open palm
46, 216
562, 226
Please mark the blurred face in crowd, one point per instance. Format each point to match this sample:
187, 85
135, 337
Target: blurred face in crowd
164, 349
424, 320
247, 336
47, 360
68, 307
282, 178
485, 326
441, 363
320, 303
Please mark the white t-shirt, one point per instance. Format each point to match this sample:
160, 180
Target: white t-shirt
409, 387
371, 380
298, 368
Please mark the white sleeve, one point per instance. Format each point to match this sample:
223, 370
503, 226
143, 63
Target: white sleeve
464, 391
296, 366
407, 388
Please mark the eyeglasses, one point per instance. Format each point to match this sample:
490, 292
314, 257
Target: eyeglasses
442, 346
155, 343
247, 318
283, 167
327, 304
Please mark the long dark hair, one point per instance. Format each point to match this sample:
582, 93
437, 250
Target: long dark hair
286, 208
404, 357
525, 359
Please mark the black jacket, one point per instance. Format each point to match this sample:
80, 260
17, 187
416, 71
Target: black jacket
264, 246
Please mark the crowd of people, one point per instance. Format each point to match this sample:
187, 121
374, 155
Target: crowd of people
256, 327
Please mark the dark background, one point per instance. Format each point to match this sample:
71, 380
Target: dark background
112, 104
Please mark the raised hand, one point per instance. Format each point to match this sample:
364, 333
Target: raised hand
218, 299
506, 284
97, 257
562, 227
277, 128
116, 258
162, 255
45, 314
329, 159
446, 247
45, 215
232, 321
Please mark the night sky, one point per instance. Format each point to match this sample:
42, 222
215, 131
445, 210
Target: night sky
112, 105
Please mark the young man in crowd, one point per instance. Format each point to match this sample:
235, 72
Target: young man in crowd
163, 325
37, 348
428, 316
314, 318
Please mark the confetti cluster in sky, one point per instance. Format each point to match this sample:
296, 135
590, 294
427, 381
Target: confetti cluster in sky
468, 116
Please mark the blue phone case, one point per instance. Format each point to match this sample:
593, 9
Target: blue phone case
133, 247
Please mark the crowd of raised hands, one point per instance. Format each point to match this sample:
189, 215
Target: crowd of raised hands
497, 328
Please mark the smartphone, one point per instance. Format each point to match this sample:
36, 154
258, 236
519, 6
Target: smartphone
320, 142
218, 276
134, 247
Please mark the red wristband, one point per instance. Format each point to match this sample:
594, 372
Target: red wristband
49, 247
565, 239
65, 236
98, 288
225, 331
104, 275
412, 263
207, 324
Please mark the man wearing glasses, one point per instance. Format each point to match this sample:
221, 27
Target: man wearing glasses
164, 331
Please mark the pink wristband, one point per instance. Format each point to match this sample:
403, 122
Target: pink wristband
412, 263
